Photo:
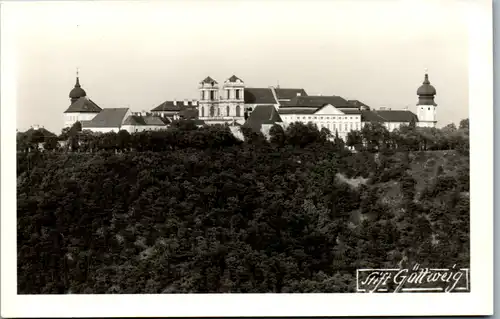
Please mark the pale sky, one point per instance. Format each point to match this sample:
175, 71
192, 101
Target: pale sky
139, 54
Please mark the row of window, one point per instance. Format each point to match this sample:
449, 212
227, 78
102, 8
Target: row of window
210, 95
213, 111
341, 127
315, 117
236, 94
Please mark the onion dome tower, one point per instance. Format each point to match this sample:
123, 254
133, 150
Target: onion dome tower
77, 92
426, 106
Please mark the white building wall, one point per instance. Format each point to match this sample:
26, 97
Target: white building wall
342, 124
426, 115
72, 118
103, 129
391, 126
140, 128
236, 130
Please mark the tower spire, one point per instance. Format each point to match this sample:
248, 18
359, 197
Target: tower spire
426, 78
77, 78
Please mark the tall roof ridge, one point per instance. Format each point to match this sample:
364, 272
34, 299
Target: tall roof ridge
378, 114
272, 113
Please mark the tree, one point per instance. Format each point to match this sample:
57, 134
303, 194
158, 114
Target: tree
355, 139
277, 135
75, 128
123, 140
464, 124
375, 136
51, 143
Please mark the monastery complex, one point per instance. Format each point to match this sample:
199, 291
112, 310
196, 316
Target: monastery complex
235, 104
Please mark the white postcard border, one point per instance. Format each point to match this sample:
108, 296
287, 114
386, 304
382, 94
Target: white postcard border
478, 302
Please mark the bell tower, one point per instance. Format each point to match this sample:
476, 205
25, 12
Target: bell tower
209, 98
77, 92
232, 100
426, 106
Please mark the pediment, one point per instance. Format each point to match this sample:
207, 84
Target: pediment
328, 109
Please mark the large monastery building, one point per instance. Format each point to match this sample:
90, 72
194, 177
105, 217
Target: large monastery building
235, 104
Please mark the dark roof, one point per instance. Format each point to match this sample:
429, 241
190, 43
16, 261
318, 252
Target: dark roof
146, 120
288, 94
77, 92
311, 110
83, 105
351, 111
168, 106
296, 110
262, 114
397, 116
357, 103
259, 96
108, 118
371, 116
209, 80
388, 116
189, 113
426, 93
318, 101
426, 88
233, 79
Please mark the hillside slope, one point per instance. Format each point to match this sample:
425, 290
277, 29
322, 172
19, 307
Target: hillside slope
237, 219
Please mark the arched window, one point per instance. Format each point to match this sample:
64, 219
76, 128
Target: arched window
227, 110
237, 94
212, 95
237, 110
212, 110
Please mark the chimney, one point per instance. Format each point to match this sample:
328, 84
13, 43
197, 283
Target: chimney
36, 127
175, 102
186, 103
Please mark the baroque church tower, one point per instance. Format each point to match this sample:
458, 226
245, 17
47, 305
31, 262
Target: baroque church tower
426, 107
209, 98
81, 108
232, 100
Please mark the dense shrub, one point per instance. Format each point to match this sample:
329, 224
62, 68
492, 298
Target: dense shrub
195, 210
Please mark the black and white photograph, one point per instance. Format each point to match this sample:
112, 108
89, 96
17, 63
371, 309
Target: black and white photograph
207, 157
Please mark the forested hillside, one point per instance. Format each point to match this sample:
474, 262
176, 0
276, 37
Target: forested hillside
208, 213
